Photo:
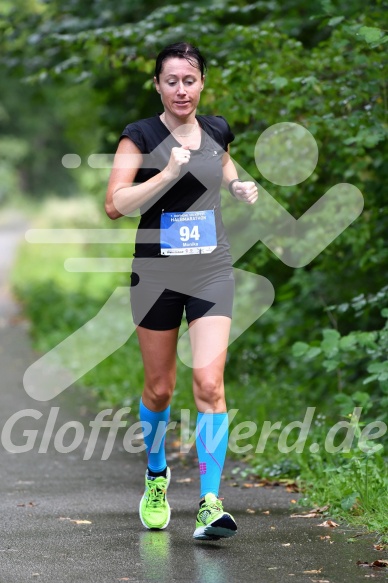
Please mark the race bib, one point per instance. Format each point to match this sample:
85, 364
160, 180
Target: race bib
188, 233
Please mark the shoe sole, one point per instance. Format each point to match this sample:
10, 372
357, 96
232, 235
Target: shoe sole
223, 527
169, 509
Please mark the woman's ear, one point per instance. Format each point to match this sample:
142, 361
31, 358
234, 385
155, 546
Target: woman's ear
203, 82
156, 85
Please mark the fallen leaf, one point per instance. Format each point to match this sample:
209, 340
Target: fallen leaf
292, 488
314, 571
286, 544
184, 480
329, 523
29, 504
247, 485
324, 537
310, 515
265, 512
379, 547
293, 501
266, 482
273, 527
287, 481
251, 511
382, 563
320, 509
75, 520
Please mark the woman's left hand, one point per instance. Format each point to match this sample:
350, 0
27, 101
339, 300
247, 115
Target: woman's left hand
246, 191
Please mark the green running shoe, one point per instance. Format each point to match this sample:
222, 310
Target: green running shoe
154, 510
213, 522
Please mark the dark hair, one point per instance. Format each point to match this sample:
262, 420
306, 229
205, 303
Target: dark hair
181, 50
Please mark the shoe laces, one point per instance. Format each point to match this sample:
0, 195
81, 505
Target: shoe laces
156, 494
216, 505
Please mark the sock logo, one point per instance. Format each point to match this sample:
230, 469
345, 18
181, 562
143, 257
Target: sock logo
202, 468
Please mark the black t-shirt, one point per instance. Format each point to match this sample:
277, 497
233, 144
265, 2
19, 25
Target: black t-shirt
196, 188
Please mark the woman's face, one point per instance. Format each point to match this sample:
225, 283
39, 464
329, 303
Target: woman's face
180, 85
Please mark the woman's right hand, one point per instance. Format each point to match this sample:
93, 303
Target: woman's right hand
179, 157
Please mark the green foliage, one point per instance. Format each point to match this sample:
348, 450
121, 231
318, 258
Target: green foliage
353, 481
35, 134
357, 359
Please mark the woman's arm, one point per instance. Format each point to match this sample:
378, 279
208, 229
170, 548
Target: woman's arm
122, 197
245, 191
229, 171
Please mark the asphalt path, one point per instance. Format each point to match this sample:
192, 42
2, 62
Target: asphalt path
67, 519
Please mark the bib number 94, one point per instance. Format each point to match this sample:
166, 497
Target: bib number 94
186, 234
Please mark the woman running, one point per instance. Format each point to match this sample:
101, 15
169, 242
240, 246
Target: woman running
171, 166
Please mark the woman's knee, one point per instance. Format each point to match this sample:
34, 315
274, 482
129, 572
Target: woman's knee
209, 391
158, 392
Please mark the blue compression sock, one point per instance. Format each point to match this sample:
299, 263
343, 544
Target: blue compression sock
212, 434
155, 439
